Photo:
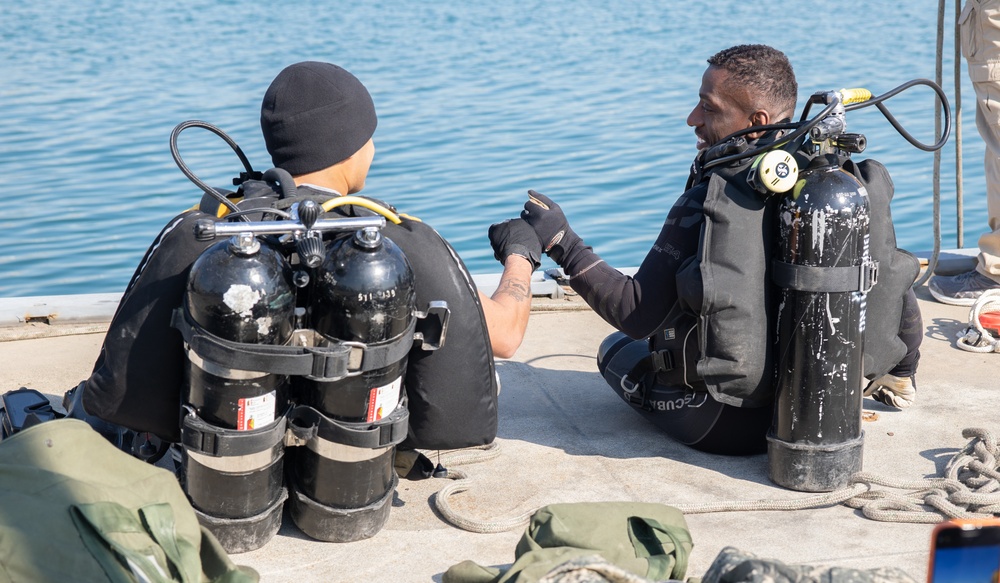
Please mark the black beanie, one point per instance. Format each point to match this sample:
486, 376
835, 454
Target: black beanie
315, 115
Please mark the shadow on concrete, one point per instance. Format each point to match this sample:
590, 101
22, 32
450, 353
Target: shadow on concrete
578, 413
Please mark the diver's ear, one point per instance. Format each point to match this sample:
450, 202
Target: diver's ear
758, 118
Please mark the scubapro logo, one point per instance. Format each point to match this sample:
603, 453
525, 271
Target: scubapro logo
782, 170
690, 399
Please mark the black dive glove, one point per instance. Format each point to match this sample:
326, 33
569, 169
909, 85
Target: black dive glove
550, 224
515, 237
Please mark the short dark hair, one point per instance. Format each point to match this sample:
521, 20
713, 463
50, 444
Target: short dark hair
763, 70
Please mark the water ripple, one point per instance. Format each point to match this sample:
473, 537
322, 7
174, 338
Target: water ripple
478, 102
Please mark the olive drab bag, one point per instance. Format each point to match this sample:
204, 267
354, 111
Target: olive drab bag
647, 539
75, 508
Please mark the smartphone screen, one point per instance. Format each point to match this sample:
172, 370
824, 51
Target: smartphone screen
966, 555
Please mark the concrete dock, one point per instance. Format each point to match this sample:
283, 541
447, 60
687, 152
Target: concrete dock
565, 437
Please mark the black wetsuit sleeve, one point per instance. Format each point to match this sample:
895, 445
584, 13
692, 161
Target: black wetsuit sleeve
638, 305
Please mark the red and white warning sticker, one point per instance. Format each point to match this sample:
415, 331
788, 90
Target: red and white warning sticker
255, 412
383, 400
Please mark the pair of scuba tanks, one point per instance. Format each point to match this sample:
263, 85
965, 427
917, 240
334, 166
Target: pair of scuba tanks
297, 333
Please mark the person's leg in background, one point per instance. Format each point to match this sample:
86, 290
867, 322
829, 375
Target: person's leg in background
980, 32
898, 388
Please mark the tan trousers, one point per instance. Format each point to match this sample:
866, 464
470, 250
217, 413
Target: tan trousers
980, 32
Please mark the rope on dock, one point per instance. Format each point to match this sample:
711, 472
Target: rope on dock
463, 482
969, 489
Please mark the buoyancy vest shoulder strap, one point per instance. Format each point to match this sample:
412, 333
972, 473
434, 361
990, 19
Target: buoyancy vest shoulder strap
737, 302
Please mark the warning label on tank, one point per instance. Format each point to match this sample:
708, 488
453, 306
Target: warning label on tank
383, 400
255, 412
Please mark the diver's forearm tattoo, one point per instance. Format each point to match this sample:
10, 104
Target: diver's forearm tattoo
517, 290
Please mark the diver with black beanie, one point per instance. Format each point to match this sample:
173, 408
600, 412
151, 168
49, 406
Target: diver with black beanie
318, 120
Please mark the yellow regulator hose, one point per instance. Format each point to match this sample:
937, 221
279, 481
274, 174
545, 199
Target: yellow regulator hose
362, 202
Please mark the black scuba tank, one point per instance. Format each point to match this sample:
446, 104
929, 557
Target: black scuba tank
239, 289
342, 479
824, 270
363, 297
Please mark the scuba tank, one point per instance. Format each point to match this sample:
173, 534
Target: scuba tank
238, 322
824, 270
362, 297
363, 294
263, 386
239, 290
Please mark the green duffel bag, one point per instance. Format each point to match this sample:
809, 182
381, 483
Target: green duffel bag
647, 539
75, 508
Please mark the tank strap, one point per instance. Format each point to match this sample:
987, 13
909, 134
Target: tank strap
306, 424
825, 279
202, 437
339, 360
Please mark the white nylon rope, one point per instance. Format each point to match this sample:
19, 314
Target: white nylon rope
970, 488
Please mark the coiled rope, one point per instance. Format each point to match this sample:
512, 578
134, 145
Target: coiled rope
969, 489
462, 482
976, 337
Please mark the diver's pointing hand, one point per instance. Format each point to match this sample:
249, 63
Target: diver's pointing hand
550, 224
546, 218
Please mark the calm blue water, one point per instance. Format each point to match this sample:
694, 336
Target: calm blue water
584, 100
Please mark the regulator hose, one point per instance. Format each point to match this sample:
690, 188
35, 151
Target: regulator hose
362, 202
800, 131
175, 153
877, 102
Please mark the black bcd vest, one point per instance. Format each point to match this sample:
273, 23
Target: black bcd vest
138, 377
721, 335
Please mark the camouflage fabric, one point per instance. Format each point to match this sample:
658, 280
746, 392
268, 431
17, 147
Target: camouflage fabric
73, 507
730, 566
591, 569
735, 566
644, 539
